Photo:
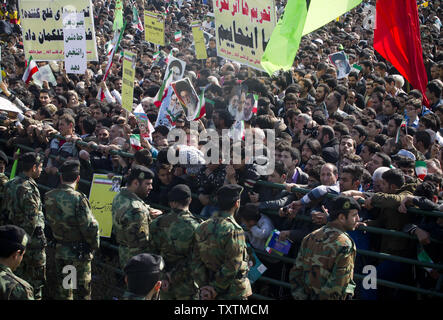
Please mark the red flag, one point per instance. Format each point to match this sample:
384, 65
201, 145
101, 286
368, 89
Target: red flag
397, 39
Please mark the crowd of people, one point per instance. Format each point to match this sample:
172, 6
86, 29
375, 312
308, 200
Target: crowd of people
360, 136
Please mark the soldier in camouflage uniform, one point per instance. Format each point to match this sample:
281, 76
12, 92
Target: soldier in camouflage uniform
220, 258
75, 231
23, 207
13, 241
172, 237
143, 275
324, 267
131, 216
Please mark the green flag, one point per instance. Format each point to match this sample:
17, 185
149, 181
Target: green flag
322, 12
14, 166
285, 39
300, 18
118, 15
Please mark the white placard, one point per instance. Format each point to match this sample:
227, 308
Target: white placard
74, 36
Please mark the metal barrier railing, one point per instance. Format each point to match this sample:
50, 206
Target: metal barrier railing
383, 256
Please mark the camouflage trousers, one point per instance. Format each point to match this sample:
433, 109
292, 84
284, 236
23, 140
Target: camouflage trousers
79, 281
33, 270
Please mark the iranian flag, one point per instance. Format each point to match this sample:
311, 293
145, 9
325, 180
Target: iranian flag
163, 91
178, 36
101, 94
31, 69
136, 21
155, 55
402, 125
420, 169
255, 107
134, 139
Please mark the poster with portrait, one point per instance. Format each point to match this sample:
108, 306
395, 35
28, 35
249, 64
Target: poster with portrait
177, 66
187, 97
340, 61
242, 104
169, 111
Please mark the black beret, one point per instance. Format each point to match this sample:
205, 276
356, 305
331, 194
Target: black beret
142, 173
13, 235
31, 157
179, 192
144, 263
4, 157
342, 204
70, 166
229, 192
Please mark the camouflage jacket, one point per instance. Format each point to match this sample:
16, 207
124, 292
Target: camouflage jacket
130, 220
70, 218
172, 235
220, 258
324, 267
13, 287
23, 207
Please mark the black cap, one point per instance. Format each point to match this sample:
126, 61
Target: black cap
229, 192
144, 263
11, 235
179, 192
31, 157
142, 173
3, 157
70, 166
342, 204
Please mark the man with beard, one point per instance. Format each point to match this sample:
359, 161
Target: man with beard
131, 216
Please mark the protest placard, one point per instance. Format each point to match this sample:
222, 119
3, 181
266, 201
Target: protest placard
199, 40
128, 79
340, 61
187, 96
74, 36
44, 74
177, 66
154, 28
42, 27
243, 29
103, 191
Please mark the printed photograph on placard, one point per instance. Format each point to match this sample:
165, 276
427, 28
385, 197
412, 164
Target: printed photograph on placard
178, 68
340, 61
187, 96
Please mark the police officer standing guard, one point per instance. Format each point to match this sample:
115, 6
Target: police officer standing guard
143, 275
173, 234
13, 241
131, 216
324, 267
22, 207
75, 230
220, 258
